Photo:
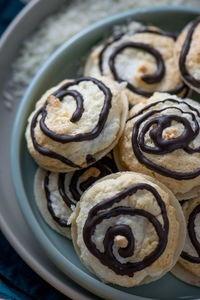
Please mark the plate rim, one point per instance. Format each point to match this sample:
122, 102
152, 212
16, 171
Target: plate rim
57, 257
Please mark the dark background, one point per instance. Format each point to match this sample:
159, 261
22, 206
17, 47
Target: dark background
8, 10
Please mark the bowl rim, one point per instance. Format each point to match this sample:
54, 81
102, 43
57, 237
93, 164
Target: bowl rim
85, 280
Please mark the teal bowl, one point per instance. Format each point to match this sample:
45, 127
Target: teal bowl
66, 62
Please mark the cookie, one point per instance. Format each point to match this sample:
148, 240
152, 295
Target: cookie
128, 229
76, 123
143, 58
57, 194
187, 54
162, 139
188, 265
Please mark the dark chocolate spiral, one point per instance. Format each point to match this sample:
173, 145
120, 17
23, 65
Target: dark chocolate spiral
77, 184
183, 56
110, 42
154, 121
60, 221
105, 167
193, 237
153, 78
106, 210
65, 90
158, 32
148, 78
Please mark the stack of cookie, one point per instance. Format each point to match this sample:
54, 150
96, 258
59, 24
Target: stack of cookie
119, 156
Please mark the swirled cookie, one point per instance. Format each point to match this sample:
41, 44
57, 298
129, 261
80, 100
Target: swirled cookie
76, 123
162, 139
187, 54
128, 229
57, 194
144, 59
188, 266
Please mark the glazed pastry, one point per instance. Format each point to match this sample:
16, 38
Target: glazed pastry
128, 229
76, 123
57, 194
187, 54
188, 266
162, 139
144, 59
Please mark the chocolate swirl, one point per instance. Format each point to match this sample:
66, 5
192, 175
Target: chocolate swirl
104, 167
105, 210
193, 237
159, 74
61, 138
183, 56
110, 42
150, 79
161, 118
158, 32
60, 221
77, 184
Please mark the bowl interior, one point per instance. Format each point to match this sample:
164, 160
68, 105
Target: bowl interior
67, 62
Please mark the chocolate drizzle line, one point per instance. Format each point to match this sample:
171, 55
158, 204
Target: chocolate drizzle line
61, 189
60, 93
81, 136
106, 166
104, 210
60, 221
153, 78
150, 79
162, 33
161, 145
183, 56
193, 237
114, 39
45, 151
178, 89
